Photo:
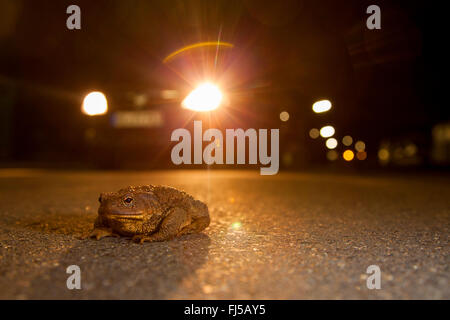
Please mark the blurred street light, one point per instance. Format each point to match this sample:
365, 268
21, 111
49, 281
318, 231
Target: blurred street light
384, 155
360, 146
332, 155
331, 143
410, 149
347, 140
95, 104
327, 131
314, 133
362, 155
321, 106
284, 116
205, 97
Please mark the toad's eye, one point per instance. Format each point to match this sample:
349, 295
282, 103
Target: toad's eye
128, 200
100, 199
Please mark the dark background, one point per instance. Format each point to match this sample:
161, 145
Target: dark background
387, 86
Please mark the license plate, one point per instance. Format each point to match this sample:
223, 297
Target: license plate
137, 119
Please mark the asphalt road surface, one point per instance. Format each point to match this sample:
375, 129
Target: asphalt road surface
289, 236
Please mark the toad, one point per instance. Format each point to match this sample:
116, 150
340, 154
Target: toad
149, 213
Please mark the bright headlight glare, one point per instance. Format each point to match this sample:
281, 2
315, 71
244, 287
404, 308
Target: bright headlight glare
205, 97
94, 104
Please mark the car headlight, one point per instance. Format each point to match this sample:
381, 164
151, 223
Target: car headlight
95, 104
205, 97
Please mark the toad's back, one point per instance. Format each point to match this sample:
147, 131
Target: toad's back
172, 198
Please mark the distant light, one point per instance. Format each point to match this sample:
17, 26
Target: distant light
362, 155
410, 149
206, 97
314, 133
284, 116
441, 132
327, 131
321, 106
347, 140
348, 155
332, 155
383, 154
140, 100
169, 94
331, 143
95, 104
360, 146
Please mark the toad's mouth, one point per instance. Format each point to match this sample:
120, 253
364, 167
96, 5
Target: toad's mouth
127, 216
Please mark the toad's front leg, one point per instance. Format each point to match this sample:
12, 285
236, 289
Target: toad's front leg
170, 227
99, 233
101, 230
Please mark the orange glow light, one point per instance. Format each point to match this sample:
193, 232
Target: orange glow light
348, 155
361, 155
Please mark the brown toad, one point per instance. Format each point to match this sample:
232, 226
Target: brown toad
149, 213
